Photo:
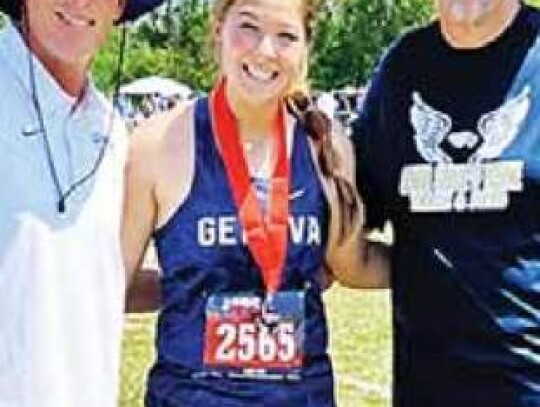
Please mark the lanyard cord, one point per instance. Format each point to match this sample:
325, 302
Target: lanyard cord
46, 144
64, 195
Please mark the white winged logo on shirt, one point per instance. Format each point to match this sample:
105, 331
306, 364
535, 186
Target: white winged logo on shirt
495, 130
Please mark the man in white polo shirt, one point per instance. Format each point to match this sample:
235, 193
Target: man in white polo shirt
61, 170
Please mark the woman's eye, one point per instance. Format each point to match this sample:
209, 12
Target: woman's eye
288, 37
249, 27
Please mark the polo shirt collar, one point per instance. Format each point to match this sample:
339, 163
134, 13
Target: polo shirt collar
52, 98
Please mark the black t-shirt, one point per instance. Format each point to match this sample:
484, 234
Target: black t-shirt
434, 156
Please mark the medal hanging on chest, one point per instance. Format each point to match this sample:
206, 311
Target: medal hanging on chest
243, 330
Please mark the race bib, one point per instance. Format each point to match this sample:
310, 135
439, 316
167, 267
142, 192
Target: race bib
245, 331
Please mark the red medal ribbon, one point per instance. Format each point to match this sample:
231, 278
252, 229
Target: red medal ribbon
266, 238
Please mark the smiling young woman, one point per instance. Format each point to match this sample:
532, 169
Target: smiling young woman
250, 202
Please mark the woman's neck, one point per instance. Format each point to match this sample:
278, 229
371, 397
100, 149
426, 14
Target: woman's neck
255, 121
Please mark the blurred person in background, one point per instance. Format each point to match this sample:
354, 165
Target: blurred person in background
327, 103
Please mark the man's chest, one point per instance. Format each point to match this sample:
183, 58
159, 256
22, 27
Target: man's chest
447, 160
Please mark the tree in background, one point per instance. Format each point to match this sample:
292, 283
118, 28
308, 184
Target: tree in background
172, 42
351, 36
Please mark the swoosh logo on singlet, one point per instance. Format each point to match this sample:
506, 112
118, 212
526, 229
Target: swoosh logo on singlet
297, 194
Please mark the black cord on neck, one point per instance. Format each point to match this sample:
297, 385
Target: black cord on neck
119, 66
61, 207
64, 195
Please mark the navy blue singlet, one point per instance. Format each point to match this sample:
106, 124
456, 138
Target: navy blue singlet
201, 253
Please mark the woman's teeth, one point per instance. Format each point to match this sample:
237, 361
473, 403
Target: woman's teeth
260, 74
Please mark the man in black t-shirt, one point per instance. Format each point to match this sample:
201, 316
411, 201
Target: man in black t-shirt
447, 151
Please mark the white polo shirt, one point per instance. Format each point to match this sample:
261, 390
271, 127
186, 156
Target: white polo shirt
61, 275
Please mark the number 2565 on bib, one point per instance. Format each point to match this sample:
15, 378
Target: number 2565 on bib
246, 331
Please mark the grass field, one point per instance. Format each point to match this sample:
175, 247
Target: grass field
360, 344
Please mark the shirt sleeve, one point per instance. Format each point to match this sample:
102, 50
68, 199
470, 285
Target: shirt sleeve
367, 132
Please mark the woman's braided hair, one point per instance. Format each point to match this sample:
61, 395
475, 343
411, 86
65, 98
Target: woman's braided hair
319, 128
316, 124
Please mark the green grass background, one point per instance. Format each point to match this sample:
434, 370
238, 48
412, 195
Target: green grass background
360, 345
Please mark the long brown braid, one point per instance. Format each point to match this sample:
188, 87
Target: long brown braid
319, 128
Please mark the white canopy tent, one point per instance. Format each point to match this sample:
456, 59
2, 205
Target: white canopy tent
156, 84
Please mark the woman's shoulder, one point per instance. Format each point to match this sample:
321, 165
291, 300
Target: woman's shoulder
162, 157
160, 126
160, 143
163, 131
